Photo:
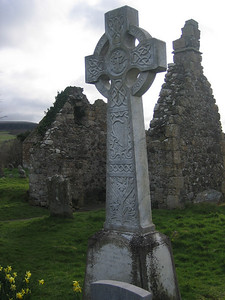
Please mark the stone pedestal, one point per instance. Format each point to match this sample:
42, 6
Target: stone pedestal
142, 260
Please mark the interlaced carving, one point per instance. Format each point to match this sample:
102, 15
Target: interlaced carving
142, 56
121, 168
113, 69
115, 25
118, 61
120, 141
123, 203
95, 68
119, 95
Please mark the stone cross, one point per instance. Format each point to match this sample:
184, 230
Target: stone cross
123, 66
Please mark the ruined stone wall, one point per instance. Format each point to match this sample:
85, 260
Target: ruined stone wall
186, 147
73, 147
185, 136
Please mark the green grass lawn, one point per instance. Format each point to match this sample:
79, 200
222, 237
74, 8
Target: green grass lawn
6, 136
54, 249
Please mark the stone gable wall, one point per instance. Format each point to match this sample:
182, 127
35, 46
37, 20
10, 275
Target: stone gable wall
75, 148
185, 143
185, 137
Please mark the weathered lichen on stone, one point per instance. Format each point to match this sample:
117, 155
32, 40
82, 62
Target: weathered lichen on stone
117, 252
122, 72
190, 38
74, 147
185, 124
185, 137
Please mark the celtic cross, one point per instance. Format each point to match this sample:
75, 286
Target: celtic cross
123, 71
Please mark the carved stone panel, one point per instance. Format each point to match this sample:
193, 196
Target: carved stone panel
122, 72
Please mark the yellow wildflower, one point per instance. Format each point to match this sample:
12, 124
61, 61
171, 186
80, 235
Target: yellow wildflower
27, 280
28, 274
19, 295
1, 268
28, 291
76, 287
13, 287
14, 274
9, 268
23, 292
41, 281
11, 280
7, 276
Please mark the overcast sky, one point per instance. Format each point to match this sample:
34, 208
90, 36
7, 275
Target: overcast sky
43, 44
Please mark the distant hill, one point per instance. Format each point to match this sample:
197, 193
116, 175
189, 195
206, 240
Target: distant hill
17, 127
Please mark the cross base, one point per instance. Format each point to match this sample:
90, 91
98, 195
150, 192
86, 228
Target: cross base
142, 260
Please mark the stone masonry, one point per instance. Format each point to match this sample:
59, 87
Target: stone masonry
128, 248
185, 137
74, 147
186, 147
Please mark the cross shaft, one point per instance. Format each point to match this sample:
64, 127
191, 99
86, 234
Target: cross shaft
122, 72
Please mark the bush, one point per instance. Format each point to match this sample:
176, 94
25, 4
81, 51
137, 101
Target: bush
49, 118
11, 153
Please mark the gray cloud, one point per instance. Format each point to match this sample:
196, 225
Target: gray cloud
88, 13
33, 35
93, 14
21, 109
15, 18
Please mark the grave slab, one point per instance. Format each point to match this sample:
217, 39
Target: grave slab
117, 290
59, 197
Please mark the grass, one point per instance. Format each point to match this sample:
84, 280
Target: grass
198, 239
52, 249
14, 197
6, 136
55, 249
